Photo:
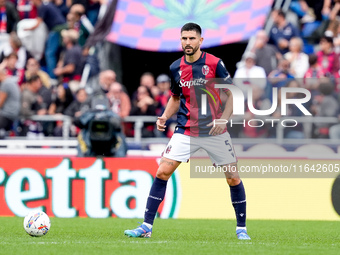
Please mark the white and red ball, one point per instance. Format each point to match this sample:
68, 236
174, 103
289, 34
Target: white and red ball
37, 223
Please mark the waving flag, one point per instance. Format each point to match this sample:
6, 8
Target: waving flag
154, 25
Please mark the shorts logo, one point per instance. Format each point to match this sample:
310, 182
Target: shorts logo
205, 70
168, 149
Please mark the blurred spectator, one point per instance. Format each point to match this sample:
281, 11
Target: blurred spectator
144, 105
16, 46
249, 74
26, 9
334, 10
327, 58
79, 105
106, 78
60, 100
282, 31
63, 5
70, 21
266, 55
31, 102
33, 40
9, 64
92, 10
71, 66
297, 59
336, 32
314, 70
324, 105
260, 103
162, 98
82, 23
311, 10
119, 101
291, 110
44, 93
313, 75
278, 78
148, 80
281, 75
9, 101
8, 17
314, 16
52, 17
163, 85
33, 68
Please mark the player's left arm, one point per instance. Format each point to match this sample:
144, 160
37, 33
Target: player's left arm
218, 126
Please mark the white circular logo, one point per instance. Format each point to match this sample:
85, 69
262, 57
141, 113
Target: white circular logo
205, 70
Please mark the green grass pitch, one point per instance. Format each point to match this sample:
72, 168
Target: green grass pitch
105, 236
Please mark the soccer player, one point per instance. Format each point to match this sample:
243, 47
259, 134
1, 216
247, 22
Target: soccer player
189, 75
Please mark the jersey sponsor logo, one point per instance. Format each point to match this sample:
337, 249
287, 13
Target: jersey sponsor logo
192, 82
205, 70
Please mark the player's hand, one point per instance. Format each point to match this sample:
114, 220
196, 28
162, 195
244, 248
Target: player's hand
217, 127
161, 123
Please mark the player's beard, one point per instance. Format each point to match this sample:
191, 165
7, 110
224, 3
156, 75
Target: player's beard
193, 50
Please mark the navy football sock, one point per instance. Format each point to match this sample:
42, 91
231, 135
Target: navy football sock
156, 196
238, 199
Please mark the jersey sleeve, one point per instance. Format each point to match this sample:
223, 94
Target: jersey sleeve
174, 88
222, 73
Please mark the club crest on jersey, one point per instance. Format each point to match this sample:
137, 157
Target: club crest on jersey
168, 149
205, 70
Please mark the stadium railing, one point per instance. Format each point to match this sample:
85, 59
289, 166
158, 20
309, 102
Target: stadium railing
67, 121
67, 145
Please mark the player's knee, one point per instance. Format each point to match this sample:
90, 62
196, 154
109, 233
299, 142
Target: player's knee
161, 174
233, 181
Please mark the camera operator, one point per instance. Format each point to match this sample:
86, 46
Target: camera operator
101, 133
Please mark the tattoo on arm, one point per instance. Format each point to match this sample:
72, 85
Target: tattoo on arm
169, 163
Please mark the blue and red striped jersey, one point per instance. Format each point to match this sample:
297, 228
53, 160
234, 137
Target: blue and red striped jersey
191, 82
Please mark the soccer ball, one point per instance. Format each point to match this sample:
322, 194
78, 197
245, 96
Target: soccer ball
37, 223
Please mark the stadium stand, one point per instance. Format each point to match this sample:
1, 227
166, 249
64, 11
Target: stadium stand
313, 34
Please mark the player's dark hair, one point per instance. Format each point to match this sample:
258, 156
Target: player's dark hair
192, 27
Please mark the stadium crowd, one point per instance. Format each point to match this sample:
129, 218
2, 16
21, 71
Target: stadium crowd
43, 54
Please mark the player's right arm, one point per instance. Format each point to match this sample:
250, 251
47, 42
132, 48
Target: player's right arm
171, 109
